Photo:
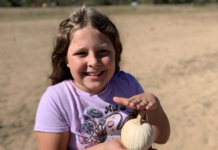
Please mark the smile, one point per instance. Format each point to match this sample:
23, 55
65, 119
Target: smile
94, 74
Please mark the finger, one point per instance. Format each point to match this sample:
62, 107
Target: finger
121, 100
151, 106
142, 105
136, 101
132, 105
125, 102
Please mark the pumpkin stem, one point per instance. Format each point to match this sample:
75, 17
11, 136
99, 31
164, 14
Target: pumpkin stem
140, 116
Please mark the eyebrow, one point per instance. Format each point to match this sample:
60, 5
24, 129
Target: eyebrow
104, 45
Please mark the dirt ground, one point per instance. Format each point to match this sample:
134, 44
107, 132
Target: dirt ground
171, 50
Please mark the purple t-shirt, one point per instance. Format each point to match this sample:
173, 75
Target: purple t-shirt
91, 118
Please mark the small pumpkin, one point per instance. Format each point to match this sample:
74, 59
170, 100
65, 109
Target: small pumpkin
137, 134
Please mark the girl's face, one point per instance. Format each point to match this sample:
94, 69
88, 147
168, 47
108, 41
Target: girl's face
91, 60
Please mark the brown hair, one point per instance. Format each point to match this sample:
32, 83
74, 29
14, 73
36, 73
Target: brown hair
79, 19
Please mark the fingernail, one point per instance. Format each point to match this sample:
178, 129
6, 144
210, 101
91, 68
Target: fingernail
130, 99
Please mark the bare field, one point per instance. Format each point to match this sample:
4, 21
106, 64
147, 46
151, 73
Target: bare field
171, 50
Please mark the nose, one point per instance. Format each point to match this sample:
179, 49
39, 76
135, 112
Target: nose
93, 60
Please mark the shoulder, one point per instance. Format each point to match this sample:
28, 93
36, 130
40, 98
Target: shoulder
57, 92
125, 81
60, 88
121, 75
56, 99
53, 109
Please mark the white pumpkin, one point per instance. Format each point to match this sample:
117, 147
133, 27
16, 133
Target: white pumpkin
137, 134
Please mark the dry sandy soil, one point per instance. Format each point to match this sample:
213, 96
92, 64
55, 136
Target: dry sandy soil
171, 50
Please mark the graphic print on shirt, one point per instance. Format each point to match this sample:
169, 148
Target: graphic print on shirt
96, 125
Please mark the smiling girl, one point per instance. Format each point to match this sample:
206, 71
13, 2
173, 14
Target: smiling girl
90, 99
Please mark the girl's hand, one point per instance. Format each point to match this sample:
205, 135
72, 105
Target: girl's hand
142, 101
156, 117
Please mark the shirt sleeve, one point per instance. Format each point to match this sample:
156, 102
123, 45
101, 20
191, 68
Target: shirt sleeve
135, 84
49, 117
132, 82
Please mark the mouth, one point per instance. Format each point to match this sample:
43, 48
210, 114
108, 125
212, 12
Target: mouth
94, 73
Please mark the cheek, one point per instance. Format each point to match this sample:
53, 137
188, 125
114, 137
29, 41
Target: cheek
74, 64
74, 61
109, 63
110, 60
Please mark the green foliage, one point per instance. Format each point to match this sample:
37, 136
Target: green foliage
8, 3
102, 2
27, 3
106, 2
5, 3
15, 3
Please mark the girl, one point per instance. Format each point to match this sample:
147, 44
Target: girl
90, 98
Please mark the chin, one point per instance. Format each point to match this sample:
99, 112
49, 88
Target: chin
96, 89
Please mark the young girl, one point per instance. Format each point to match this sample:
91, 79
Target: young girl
90, 98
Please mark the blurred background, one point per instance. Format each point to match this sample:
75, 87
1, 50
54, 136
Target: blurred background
170, 46
53, 3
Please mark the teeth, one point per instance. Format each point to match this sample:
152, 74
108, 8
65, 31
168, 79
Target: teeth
93, 74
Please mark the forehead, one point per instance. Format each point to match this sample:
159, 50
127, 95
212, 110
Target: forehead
90, 35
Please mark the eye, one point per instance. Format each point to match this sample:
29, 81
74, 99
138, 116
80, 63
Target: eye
102, 51
81, 54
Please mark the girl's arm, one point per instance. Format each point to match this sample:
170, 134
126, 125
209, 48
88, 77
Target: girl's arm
52, 141
160, 123
155, 114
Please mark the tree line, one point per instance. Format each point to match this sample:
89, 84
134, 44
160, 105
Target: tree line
20, 3
39, 3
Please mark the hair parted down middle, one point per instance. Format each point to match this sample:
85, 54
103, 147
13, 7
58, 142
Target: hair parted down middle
81, 18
